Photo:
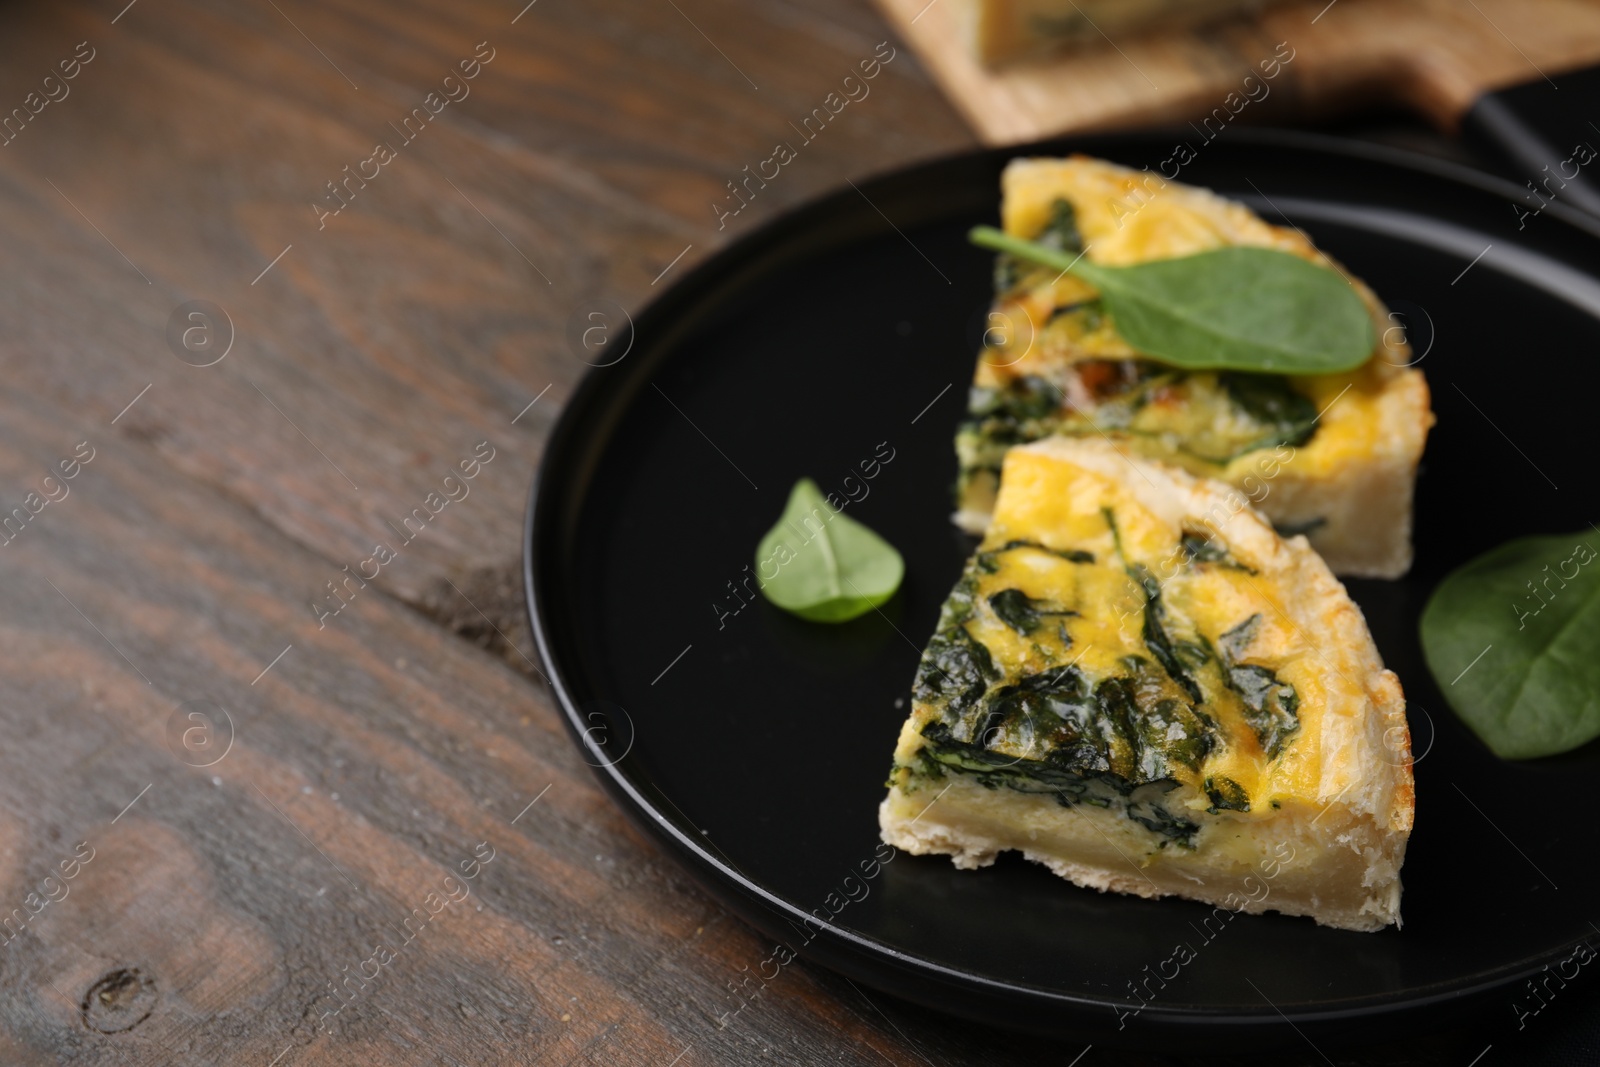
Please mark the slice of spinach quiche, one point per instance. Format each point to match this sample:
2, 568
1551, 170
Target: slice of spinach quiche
1333, 456
1138, 683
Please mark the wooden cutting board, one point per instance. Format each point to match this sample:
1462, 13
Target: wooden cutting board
1436, 56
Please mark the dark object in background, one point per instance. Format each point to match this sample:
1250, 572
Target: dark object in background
1545, 131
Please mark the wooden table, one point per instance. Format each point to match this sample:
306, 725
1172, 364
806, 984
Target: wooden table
242, 749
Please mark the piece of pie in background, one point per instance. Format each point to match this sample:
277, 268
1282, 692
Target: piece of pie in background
1332, 456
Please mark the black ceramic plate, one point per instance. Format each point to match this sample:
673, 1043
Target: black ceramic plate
755, 745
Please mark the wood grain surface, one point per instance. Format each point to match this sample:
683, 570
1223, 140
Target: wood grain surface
1434, 56
259, 811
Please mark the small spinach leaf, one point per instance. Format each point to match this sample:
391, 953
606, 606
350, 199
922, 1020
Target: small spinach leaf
830, 568
1513, 639
1233, 308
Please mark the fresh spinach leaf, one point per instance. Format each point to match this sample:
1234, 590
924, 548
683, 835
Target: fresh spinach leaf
830, 568
1513, 639
1234, 308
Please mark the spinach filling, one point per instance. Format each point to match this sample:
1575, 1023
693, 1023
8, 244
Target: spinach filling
1203, 548
1269, 400
1114, 742
956, 669
1201, 420
1155, 635
1054, 733
1176, 658
1022, 612
988, 561
1117, 742
1271, 707
1226, 794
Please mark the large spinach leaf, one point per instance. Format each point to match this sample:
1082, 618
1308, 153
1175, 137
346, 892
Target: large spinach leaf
1233, 308
1513, 639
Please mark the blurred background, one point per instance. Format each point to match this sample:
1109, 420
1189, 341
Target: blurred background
284, 269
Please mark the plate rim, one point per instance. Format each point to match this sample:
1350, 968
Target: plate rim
850, 952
